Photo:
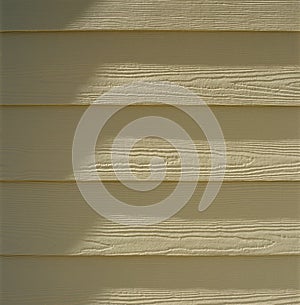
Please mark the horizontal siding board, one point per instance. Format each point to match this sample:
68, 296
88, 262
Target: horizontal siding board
196, 296
18, 15
76, 68
245, 161
78, 281
257, 218
160, 296
275, 86
39, 146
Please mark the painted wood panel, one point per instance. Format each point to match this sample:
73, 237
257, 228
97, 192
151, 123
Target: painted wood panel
31, 280
195, 296
257, 218
36, 148
246, 161
76, 68
193, 15
58, 57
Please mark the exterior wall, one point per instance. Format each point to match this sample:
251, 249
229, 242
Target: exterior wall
242, 58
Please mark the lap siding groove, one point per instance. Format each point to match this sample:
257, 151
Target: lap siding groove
243, 60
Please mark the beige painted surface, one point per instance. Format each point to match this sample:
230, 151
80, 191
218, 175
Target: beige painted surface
259, 15
242, 58
254, 151
118, 280
230, 68
247, 218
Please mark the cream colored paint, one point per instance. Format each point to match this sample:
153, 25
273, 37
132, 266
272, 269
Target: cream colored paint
99, 280
247, 218
231, 68
243, 59
257, 15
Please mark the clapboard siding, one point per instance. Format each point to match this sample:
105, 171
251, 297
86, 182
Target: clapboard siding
36, 149
57, 58
76, 68
46, 280
144, 296
257, 218
150, 15
246, 161
195, 296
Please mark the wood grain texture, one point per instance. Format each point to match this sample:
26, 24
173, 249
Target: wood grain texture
246, 161
258, 146
195, 296
54, 248
257, 218
252, 15
76, 68
31, 280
